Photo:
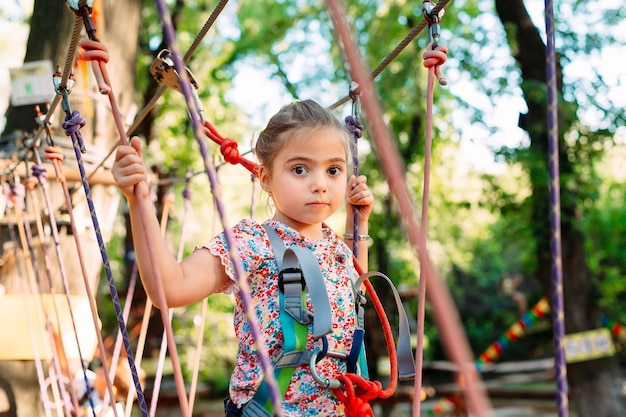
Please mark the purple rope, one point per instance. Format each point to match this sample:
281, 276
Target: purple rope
355, 127
558, 321
168, 31
72, 124
117, 349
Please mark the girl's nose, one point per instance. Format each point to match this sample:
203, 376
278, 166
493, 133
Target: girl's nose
319, 183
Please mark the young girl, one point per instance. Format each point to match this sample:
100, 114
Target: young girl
303, 155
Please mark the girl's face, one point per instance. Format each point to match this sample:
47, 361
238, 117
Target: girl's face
308, 179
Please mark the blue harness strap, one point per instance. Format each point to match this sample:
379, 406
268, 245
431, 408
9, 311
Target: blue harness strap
406, 361
299, 274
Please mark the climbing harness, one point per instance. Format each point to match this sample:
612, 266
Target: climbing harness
75, 124
300, 275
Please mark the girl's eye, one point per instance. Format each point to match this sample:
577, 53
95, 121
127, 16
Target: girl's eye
299, 170
334, 171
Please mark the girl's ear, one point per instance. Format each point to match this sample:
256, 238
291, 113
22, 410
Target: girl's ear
264, 179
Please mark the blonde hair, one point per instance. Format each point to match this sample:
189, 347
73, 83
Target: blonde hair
290, 119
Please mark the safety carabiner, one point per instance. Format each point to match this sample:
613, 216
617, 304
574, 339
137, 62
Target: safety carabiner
433, 20
330, 383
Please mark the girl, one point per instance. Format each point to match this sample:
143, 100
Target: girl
303, 155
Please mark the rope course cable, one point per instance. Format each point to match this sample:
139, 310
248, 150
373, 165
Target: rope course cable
454, 340
72, 126
39, 175
354, 392
37, 359
210, 171
397, 50
162, 88
434, 58
18, 194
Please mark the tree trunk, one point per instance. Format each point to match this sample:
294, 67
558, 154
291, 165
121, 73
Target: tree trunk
595, 386
117, 27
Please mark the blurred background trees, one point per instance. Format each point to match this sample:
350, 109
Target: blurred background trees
489, 219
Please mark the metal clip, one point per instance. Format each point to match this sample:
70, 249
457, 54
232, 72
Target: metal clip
330, 383
76, 5
433, 21
40, 118
355, 95
57, 77
164, 71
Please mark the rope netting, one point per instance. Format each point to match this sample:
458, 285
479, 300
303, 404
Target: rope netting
355, 392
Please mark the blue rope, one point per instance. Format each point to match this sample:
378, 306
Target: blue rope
72, 124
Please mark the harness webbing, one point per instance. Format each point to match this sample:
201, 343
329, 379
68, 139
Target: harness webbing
294, 317
354, 388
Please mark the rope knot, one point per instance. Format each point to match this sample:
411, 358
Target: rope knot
72, 125
30, 183
39, 172
354, 126
356, 394
435, 57
230, 151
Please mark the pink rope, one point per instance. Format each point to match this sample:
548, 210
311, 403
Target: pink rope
448, 321
434, 57
97, 51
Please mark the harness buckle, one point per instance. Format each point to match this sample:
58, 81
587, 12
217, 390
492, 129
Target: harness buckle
290, 275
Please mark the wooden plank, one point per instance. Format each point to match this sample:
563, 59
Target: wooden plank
24, 332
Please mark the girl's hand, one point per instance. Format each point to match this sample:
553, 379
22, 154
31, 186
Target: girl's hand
129, 170
359, 198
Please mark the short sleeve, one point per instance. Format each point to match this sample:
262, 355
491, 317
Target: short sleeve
251, 246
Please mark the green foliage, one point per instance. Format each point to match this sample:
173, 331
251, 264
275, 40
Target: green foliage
479, 227
607, 212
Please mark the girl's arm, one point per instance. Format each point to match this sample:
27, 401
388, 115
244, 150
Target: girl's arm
359, 199
197, 276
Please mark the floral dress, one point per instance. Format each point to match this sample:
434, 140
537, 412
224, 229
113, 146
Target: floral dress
304, 396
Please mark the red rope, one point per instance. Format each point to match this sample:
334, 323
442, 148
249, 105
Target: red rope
358, 391
229, 149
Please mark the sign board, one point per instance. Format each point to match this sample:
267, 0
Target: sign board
24, 332
592, 344
32, 83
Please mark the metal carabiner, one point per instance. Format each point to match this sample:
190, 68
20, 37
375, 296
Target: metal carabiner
355, 95
433, 20
330, 383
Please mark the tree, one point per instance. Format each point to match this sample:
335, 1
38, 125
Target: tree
596, 385
117, 26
